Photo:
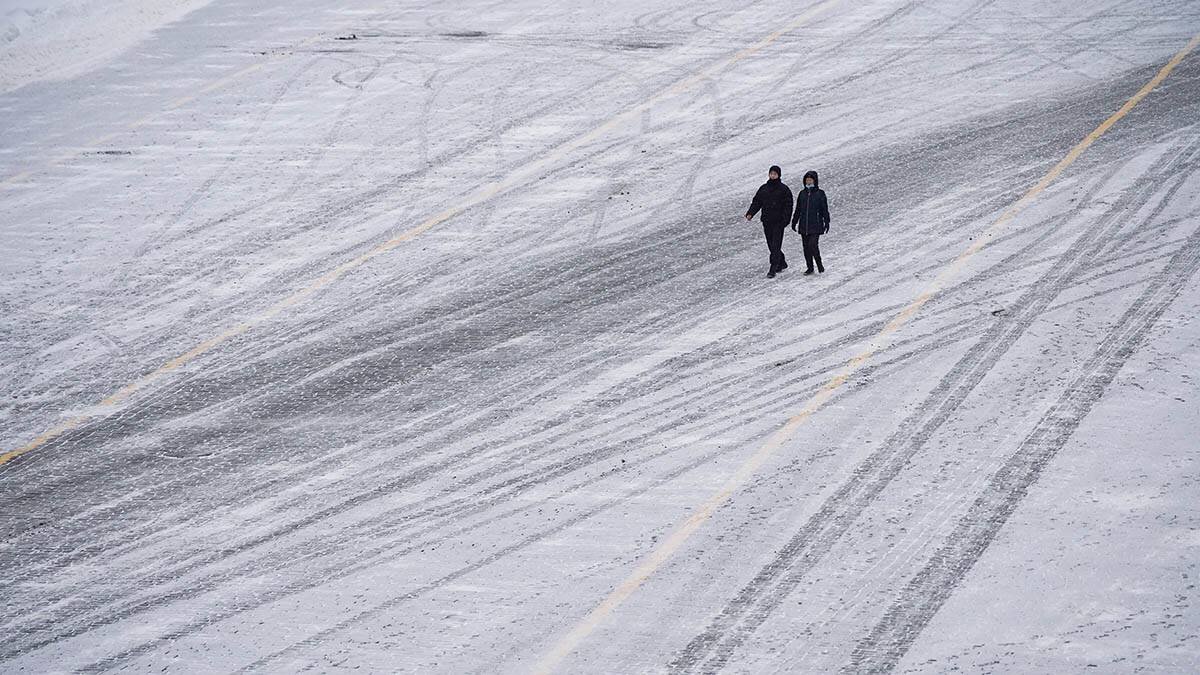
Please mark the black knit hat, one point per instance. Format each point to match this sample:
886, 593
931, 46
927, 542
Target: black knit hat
776, 170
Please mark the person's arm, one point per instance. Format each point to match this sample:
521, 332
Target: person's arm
796, 213
755, 205
825, 210
790, 207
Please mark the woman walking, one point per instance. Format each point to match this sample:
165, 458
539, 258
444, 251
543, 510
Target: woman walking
811, 220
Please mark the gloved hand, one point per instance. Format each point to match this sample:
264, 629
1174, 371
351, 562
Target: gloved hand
826, 229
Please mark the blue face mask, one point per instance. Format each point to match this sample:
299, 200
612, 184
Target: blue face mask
808, 186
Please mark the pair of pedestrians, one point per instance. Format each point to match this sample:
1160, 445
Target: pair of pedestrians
809, 216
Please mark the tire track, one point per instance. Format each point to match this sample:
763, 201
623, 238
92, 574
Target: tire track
457, 514
450, 518
367, 558
350, 202
850, 338
917, 603
712, 649
552, 442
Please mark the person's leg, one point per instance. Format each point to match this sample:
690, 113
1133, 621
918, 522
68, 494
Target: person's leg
779, 246
816, 251
769, 236
777, 236
806, 239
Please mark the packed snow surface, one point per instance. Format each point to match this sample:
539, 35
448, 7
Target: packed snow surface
430, 337
56, 39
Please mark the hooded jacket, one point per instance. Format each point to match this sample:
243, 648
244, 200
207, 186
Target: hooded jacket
774, 199
811, 215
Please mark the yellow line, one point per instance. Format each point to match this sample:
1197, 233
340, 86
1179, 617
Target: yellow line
16, 178
669, 546
482, 194
188, 98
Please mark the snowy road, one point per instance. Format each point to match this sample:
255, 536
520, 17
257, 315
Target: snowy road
406, 338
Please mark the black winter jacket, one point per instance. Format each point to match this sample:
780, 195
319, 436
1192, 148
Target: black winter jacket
812, 209
774, 199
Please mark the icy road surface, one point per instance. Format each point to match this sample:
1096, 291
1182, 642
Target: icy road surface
429, 337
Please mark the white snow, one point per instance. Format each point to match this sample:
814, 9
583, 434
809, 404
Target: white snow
443, 460
58, 39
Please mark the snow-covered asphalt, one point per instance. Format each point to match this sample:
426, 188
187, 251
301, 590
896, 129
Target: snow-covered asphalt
429, 337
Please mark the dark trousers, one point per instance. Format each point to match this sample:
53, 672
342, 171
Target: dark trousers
774, 235
812, 250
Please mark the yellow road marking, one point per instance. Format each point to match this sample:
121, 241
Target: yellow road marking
188, 98
16, 178
482, 194
664, 551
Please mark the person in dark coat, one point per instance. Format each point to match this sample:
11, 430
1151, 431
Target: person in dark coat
774, 199
811, 220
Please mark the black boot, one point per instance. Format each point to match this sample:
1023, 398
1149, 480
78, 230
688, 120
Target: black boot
820, 267
808, 271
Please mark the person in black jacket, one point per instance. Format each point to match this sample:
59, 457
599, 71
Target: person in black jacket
812, 218
774, 199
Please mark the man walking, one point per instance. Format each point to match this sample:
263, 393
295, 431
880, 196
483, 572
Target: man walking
812, 218
774, 199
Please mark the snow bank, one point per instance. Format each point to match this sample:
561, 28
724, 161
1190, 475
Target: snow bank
56, 39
